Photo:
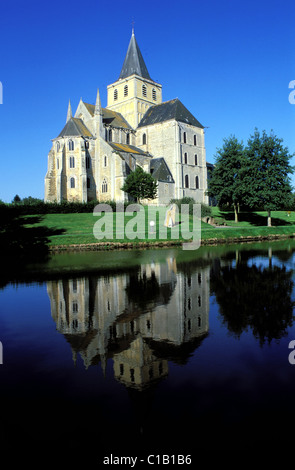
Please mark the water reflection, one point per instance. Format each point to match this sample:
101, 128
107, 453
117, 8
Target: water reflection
140, 320
254, 297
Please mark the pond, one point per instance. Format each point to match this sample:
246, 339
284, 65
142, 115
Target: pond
139, 353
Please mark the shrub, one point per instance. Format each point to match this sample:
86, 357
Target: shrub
206, 211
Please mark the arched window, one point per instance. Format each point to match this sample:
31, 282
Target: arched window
195, 140
185, 158
72, 183
144, 91
144, 139
104, 186
88, 183
126, 90
197, 182
186, 181
110, 135
71, 145
115, 94
154, 94
72, 162
196, 159
105, 161
57, 146
127, 139
184, 137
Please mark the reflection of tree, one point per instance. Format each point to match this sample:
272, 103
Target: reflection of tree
255, 297
22, 241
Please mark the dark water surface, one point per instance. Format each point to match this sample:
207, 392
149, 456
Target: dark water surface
148, 352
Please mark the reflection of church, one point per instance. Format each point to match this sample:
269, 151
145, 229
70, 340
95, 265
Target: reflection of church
140, 319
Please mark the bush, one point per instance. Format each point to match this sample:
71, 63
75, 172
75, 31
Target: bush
40, 207
206, 211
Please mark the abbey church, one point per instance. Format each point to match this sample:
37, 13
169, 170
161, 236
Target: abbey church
98, 147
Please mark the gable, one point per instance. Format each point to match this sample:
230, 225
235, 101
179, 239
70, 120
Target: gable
75, 128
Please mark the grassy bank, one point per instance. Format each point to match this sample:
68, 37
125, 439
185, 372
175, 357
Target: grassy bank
77, 229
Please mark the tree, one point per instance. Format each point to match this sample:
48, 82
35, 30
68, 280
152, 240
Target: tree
225, 183
140, 185
16, 199
266, 173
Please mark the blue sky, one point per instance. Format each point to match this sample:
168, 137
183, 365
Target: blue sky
230, 63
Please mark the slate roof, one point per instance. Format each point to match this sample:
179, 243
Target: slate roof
128, 149
114, 119
168, 110
134, 62
75, 127
160, 170
110, 117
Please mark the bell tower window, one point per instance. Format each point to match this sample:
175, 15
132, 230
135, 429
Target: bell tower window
71, 145
154, 94
115, 94
126, 90
144, 91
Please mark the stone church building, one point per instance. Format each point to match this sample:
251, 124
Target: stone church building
98, 147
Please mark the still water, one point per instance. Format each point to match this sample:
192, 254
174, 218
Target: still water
149, 352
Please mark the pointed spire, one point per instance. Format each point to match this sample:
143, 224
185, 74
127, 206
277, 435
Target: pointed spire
97, 109
134, 62
69, 114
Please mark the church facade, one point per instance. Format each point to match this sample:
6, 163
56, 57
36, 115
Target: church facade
98, 147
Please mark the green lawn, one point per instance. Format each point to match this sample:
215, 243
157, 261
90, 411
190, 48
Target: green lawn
69, 229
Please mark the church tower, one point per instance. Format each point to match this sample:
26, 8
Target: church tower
134, 92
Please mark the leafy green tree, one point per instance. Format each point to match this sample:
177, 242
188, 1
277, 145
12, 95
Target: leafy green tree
16, 199
225, 183
266, 173
140, 185
31, 200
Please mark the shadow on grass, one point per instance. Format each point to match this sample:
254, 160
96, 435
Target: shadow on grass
254, 219
20, 244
